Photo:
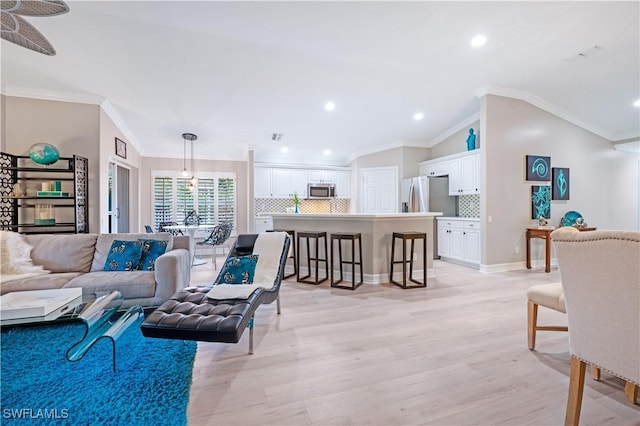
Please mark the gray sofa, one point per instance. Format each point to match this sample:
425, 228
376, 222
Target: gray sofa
77, 261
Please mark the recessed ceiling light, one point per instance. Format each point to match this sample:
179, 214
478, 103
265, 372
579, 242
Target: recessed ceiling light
327, 152
637, 103
284, 150
418, 116
329, 106
478, 40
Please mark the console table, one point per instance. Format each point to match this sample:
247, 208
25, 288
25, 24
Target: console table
545, 234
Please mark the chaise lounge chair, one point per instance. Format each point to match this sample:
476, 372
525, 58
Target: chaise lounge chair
221, 312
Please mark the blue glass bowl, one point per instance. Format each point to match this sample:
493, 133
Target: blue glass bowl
569, 218
44, 154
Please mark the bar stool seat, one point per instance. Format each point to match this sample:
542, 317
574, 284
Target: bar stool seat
292, 252
352, 237
315, 256
405, 237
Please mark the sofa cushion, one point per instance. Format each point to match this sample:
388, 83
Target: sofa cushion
15, 255
38, 282
123, 256
63, 253
151, 250
132, 284
104, 241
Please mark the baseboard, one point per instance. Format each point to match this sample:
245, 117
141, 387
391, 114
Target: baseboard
375, 278
514, 266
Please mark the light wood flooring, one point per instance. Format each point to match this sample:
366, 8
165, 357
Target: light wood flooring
454, 353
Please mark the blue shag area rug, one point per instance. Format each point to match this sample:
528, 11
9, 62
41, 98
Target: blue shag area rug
39, 386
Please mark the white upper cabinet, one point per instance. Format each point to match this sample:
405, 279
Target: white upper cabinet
322, 176
470, 174
436, 168
288, 181
343, 184
262, 182
299, 181
463, 170
282, 183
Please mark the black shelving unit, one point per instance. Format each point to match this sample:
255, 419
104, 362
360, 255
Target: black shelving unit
18, 213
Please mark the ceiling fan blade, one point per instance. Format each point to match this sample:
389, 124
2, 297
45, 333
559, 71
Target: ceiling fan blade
17, 30
35, 7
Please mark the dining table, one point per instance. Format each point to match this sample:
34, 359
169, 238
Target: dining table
191, 231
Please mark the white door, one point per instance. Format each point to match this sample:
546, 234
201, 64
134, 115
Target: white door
379, 193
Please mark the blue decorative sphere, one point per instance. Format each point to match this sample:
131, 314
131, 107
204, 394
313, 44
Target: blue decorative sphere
570, 218
44, 154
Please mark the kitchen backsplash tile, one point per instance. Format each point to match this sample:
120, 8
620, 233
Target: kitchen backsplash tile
279, 205
469, 205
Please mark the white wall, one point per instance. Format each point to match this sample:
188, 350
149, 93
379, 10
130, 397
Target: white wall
603, 181
108, 134
70, 127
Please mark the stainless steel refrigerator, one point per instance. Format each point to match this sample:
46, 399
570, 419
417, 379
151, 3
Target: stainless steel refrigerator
428, 194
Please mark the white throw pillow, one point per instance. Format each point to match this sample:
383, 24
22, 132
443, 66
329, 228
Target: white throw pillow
15, 255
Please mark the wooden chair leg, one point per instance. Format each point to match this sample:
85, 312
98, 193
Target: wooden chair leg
595, 372
532, 321
576, 386
631, 391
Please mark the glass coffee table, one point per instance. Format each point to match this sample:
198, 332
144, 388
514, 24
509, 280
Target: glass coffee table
100, 314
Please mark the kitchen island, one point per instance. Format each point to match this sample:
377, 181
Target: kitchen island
376, 230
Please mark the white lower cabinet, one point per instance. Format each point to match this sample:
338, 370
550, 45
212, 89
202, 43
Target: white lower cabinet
262, 223
459, 240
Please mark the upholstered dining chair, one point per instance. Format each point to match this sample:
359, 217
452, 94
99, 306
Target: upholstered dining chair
219, 235
550, 296
600, 275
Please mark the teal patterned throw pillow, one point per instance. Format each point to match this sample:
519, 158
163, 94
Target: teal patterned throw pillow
238, 270
151, 250
123, 256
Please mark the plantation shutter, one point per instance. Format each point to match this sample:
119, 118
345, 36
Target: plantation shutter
214, 198
162, 201
184, 199
226, 200
206, 201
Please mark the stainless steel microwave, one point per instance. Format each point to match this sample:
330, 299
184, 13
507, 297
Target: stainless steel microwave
321, 190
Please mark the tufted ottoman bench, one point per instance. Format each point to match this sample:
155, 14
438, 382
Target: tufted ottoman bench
190, 314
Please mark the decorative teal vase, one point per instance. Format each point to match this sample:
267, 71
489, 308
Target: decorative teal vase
296, 210
471, 140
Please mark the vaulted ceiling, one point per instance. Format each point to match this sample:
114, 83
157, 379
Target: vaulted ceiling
235, 73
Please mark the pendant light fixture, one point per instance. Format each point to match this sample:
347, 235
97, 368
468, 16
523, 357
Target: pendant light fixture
192, 182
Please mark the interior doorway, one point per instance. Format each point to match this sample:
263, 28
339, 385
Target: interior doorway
118, 203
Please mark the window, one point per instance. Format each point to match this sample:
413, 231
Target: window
214, 198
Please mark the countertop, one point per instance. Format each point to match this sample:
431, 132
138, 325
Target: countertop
351, 216
468, 219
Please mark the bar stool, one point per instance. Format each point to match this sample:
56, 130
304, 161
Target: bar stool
352, 237
404, 237
292, 233
316, 235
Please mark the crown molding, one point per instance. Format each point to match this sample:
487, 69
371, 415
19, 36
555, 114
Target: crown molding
51, 95
545, 106
80, 98
108, 108
453, 130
